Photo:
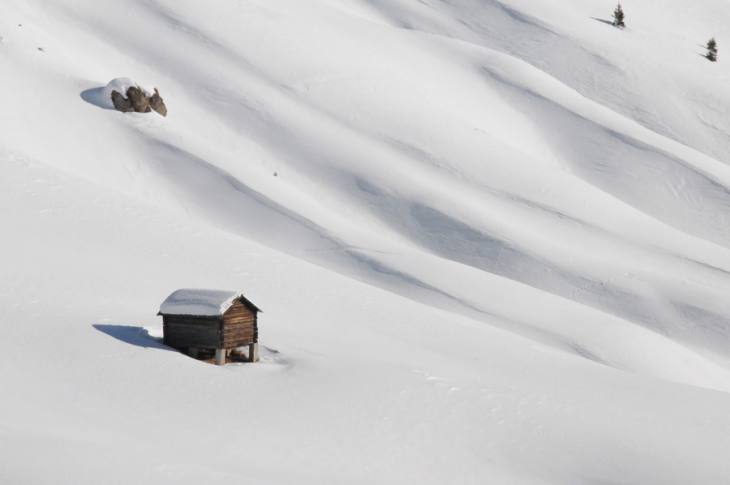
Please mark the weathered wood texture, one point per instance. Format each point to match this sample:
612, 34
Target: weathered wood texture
236, 328
240, 326
182, 331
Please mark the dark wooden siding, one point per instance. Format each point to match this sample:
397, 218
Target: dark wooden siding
240, 326
236, 328
182, 332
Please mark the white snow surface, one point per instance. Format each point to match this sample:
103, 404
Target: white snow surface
199, 301
492, 239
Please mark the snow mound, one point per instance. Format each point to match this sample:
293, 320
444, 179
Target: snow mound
498, 241
191, 301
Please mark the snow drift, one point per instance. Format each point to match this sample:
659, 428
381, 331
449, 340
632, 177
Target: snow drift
491, 237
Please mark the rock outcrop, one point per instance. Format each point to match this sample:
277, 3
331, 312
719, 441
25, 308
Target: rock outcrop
139, 101
158, 104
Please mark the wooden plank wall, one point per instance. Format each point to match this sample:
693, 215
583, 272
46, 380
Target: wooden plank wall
183, 331
237, 327
240, 326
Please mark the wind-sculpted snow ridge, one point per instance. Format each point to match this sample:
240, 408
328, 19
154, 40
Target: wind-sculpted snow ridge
491, 238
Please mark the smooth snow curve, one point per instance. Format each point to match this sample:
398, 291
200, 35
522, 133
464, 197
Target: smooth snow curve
194, 301
492, 239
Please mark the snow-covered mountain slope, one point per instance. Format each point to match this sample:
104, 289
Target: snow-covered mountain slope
491, 240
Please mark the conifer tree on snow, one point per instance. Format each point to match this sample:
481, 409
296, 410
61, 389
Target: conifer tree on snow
618, 17
711, 50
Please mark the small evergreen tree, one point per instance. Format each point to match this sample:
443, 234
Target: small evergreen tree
618, 17
711, 50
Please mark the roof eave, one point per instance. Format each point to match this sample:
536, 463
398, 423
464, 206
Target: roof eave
192, 315
250, 304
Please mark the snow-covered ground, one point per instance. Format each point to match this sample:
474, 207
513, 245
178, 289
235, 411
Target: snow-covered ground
491, 240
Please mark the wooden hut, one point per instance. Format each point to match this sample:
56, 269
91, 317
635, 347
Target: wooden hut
197, 319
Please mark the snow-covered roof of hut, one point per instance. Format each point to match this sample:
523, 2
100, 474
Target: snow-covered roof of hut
202, 302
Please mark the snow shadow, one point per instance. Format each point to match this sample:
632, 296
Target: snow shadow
605, 21
132, 335
97, 97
